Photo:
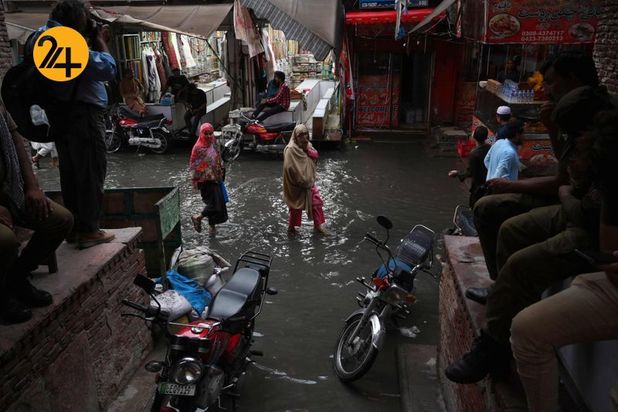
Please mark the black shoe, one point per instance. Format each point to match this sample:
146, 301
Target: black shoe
31, 296
486, 356
479, 295
13, 311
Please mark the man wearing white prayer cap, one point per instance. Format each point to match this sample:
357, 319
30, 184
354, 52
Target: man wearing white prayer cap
503, 115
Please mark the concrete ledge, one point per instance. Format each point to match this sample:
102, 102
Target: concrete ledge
76, 354
460, 322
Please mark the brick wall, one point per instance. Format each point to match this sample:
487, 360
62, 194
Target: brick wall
5, 49
605, 50
456, 333
81, 355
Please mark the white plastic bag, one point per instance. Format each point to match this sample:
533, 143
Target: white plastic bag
173, 303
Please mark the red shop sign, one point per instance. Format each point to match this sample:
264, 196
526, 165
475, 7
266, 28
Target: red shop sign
541, 21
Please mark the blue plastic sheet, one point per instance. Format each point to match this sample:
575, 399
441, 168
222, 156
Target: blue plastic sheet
197, 296
393, 264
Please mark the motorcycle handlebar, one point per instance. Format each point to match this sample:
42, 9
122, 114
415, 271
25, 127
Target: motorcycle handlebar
149, 312
372, 238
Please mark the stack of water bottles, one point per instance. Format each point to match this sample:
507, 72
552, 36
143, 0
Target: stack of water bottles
510, 92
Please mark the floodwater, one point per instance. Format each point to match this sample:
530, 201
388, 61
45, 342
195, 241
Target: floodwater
314, 274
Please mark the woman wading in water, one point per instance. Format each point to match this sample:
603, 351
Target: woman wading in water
207, 169
299, 190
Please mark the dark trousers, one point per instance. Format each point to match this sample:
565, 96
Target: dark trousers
83, 165
212, 196
493, 210
48, 234
535, 250
266, 110
192, 120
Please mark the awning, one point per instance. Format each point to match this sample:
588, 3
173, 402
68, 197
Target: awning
436, 12
385, 16
20, 25
316, 24
198, 21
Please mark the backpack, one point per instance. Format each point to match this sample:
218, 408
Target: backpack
30, 99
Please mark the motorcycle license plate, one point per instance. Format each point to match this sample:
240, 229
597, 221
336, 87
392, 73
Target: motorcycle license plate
166, 388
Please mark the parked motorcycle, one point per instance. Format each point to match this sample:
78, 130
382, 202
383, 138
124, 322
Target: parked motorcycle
125, 128
206, 359
463, 221
230, 142
390, 294
253, 135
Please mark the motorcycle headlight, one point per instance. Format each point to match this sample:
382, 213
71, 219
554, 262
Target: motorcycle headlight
186, 371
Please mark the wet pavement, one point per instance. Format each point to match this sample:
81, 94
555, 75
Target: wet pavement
314, 274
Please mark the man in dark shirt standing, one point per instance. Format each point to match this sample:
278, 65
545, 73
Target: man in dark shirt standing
476, 171
196, 98
81, 147
280, 102
177, 83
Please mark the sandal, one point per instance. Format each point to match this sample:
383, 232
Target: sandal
197, 224
95, 238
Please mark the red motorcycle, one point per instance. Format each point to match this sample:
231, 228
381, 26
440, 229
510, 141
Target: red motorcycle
206, 359
125, 128
255, 136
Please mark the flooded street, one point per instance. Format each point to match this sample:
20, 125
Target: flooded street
298, 328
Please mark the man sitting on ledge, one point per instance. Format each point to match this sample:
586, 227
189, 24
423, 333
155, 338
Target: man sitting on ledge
23, 203
280, 102
536, 249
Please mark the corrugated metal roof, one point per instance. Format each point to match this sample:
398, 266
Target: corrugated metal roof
292, 28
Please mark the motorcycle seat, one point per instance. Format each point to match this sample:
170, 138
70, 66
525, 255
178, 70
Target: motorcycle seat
141, 119
281, 127
234, 296
147, 124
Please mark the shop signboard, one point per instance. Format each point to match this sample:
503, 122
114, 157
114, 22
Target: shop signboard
390, 4
540, 21
377, 102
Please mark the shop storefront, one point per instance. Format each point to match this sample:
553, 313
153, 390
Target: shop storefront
297, 38
504, 53
150, 42
391, 78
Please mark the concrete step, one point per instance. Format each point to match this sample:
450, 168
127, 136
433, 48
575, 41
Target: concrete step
418, 378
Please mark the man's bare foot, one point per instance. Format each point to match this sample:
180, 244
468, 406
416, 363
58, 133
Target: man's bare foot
212, 230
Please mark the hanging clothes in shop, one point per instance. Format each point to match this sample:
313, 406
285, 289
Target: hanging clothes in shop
168, 45
166, 64
175, 39
186, 51
154, 82
145, 77
160, 68
269, 55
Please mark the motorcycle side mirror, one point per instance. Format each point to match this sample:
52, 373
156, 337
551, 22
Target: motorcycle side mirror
147, 284
385, 222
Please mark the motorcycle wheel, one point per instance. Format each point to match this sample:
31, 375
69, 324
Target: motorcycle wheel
113, 141
231, 154
165, 142
353, 361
